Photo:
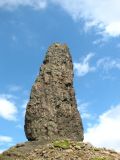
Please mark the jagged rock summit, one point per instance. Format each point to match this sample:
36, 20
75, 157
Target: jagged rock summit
52, 113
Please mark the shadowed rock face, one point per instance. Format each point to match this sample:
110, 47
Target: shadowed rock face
52, 111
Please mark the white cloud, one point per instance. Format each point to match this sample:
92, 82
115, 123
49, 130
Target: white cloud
8, 96
8, 109
12, 4
105, 15
5, 139
19, 126
86, 115
14, 88
83, 67
82, 107
105, 65
106, 133
101, 41
108, 63
24, 105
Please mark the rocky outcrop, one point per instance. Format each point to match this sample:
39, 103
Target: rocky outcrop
58, 150
52, 110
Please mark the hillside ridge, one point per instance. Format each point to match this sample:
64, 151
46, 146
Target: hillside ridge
58, 150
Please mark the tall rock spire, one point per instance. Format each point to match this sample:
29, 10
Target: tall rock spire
52, 110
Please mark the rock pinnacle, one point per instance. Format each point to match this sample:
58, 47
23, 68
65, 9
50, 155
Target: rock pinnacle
51, 112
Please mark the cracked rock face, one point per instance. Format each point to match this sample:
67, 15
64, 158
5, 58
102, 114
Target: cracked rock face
52, 110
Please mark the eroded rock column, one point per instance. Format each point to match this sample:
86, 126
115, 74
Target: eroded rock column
52, 110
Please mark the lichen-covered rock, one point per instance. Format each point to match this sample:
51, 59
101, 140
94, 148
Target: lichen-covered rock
58, 150
52, 111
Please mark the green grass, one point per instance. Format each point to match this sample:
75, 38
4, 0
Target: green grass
2, 157
64, 144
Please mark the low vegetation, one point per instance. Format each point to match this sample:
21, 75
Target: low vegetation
64, 144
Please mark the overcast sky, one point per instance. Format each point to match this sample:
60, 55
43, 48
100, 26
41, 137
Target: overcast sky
91, 29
